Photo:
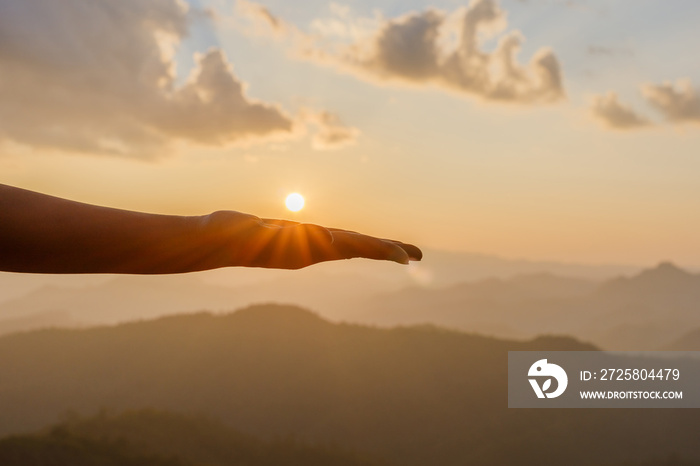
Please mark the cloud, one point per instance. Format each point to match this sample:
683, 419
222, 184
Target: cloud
430, 48
344, 25
608, 110
679, 103
211, 108
263, 16
99, 77
331, 132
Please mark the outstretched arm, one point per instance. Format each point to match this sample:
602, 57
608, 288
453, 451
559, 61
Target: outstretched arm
46, 234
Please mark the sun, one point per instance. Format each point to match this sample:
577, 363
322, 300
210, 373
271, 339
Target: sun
294, 202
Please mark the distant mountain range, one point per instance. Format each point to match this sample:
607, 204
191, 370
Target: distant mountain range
643, 310
126, 298
334, 289
412, 396
646, 311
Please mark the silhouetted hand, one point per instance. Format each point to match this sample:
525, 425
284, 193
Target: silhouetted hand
46, 234
250, 241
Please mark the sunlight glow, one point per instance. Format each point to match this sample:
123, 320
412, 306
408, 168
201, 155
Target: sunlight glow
294, 202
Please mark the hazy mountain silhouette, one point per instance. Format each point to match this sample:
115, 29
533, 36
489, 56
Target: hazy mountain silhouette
123, 298
334, 289
37, 320
59, 448
153, 438
157, 438
648, 310
416, 396
643, 312
491, 306
665, 285
127, 298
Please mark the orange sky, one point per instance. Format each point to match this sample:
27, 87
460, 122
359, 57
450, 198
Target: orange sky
581, 147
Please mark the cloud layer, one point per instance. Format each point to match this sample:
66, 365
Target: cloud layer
98, 77
428, 48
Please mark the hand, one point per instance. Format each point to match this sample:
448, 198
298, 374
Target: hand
46, 234
247, 240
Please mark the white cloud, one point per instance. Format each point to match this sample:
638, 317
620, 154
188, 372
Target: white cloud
212, 108
427, 48
679, 103
610, 112
344, 25
98, 77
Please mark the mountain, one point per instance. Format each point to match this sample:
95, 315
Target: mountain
126, 298
491, 306
123, 298
60, 448
37, 320
413, 396
156, 438
664, 279
444, 268
335, 289
642, 312
663, 286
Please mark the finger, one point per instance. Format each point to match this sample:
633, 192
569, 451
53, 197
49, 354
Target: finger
414, 252
348, 245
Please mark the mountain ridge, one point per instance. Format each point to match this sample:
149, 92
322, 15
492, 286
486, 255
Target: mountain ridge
644, 311
413, 395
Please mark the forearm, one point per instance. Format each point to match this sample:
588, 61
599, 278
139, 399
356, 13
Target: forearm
45, 234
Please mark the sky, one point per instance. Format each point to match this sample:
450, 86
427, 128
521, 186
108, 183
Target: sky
540, 129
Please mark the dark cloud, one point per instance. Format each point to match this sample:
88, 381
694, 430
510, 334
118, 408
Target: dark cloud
435, 48
406, 48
